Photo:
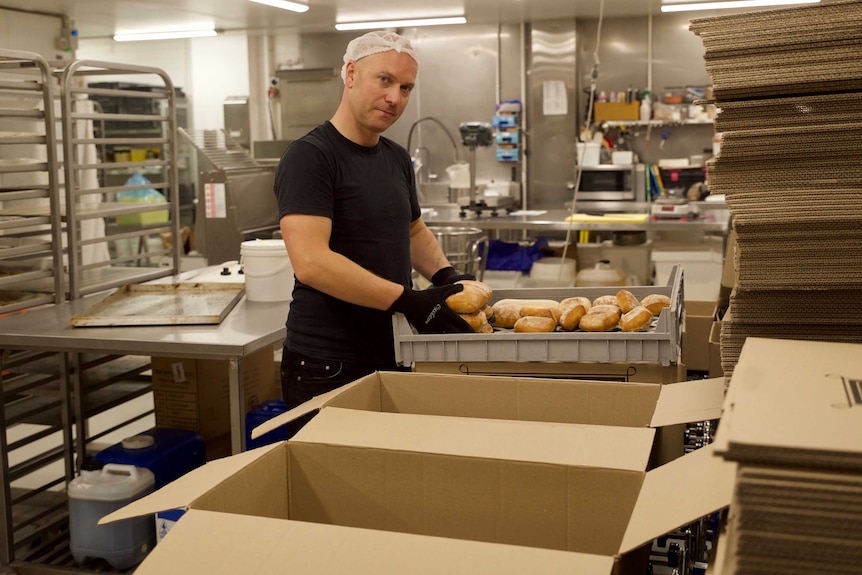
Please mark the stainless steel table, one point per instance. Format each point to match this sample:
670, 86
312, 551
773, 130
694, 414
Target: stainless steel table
248, 328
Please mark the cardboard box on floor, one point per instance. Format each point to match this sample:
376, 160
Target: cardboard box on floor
699, 316
193, 393
566, 487
303, 548
661, 407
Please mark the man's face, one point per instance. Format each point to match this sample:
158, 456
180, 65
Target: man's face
380, 87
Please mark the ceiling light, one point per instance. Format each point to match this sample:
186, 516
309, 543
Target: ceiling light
133, 37
284, 5
730, 4
400, 23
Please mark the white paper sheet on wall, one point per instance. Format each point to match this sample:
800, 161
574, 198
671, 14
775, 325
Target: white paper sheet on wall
554, 99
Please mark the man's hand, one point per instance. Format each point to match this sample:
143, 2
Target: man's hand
426, 310
448, 276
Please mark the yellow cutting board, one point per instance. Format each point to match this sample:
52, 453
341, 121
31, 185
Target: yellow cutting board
609, 218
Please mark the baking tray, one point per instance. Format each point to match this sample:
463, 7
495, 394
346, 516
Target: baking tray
661, 344
163, 304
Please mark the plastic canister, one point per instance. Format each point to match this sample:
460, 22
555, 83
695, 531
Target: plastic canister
603, 274
169, 453
258, 415
99, 490
267, 269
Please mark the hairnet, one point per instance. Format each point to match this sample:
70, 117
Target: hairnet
374, 43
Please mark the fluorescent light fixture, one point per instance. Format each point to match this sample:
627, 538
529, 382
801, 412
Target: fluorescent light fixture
284, 5
400, 23
164, 35
731, 4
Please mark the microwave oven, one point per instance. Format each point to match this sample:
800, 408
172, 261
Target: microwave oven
611, 182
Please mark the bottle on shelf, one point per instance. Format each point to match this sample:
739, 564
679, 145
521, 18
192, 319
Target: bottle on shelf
646, 106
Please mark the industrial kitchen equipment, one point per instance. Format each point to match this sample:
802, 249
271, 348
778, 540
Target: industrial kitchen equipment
473, 135
236, 201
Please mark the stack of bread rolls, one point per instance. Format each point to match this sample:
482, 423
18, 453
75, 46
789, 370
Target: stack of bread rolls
472, 305
604, 313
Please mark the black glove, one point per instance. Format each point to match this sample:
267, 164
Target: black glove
448, 276
426, 310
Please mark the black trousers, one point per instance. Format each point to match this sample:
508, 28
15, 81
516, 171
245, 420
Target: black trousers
304, 377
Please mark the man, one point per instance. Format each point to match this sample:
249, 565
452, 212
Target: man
351, 223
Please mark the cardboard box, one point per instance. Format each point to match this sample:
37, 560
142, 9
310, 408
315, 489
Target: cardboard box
565, 487
699, 316
208, 543
660, 407
193, 393
620, 111
715, 369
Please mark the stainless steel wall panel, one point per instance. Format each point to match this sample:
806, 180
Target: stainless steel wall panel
551, 153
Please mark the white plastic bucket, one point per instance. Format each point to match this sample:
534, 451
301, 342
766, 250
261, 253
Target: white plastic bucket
459, 175
267, 269
589, 154
553, 272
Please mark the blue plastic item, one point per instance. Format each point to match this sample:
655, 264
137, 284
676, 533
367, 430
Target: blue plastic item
259, 414
169, 453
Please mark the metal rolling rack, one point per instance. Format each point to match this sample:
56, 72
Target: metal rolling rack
33, 394
151, 127
50, 399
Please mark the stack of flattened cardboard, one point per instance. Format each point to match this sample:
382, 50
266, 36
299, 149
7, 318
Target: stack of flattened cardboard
792, 422
790, 167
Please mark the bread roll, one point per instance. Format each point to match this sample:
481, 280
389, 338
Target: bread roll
606, 300
476, 319
571, 314
486, 328
655, 302
534, 324
537, 311
489, 313
600, 318
627, 300
637, 319
508, 311
472, 298
584, 301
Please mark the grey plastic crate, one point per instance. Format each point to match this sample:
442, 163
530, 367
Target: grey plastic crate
660, 345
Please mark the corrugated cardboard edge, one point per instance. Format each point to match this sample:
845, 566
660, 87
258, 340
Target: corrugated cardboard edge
213, 543
677, 493
689, 401
185, 490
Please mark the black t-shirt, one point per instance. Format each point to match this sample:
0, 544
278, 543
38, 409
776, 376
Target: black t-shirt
370, 196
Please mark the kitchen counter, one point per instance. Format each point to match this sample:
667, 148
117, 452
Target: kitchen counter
246, 329
712, 221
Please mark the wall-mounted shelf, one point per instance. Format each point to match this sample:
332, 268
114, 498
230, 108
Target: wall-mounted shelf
656, 123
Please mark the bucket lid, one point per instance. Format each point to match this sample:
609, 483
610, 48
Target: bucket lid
138, 442
271, 247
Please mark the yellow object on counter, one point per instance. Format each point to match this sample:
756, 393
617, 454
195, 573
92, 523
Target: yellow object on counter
609, 218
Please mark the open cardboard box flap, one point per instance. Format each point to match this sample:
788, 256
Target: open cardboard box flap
521, 398
334, 445
210, 543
